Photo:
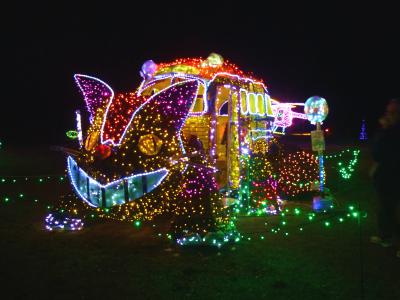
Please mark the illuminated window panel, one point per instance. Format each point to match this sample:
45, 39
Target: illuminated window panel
94, 192
268, 106
252, 102
260, 104
115, 194
243, 101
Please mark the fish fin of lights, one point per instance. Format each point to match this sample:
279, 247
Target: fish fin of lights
96, 194
153, 99
96, 92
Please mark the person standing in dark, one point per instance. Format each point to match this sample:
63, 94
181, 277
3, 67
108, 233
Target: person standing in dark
386, 175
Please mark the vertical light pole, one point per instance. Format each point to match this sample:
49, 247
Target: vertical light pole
79, 127
316, 110
321, 160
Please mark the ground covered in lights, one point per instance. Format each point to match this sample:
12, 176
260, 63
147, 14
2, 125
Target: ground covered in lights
305, 259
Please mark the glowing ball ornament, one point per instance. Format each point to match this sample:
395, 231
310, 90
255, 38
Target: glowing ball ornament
214, 60
316, 109
148, 69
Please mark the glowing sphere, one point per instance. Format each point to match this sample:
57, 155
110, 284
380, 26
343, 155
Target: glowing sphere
215, 60
148, 68
316, 109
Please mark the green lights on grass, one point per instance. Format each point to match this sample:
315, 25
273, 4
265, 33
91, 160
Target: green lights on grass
346, 171
137, 223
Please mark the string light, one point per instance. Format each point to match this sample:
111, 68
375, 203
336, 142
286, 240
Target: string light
346, 171
298, 171
79, 127
58, 221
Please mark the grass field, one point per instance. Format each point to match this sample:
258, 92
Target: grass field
110, 260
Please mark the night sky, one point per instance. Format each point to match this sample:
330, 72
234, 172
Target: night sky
348, 55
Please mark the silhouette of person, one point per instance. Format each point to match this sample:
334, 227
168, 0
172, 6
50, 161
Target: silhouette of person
386, 176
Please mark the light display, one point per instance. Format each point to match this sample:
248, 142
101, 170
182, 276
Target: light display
193, 127
79, 127
119, 114
284, 115
116, 192
297, 172
213, 60
96, 93
316, 110
261, 134
292, 221
135, 165
57, 221
72, 134
345, 170
148, 69
363, 132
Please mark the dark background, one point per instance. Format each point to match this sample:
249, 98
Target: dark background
349, 55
